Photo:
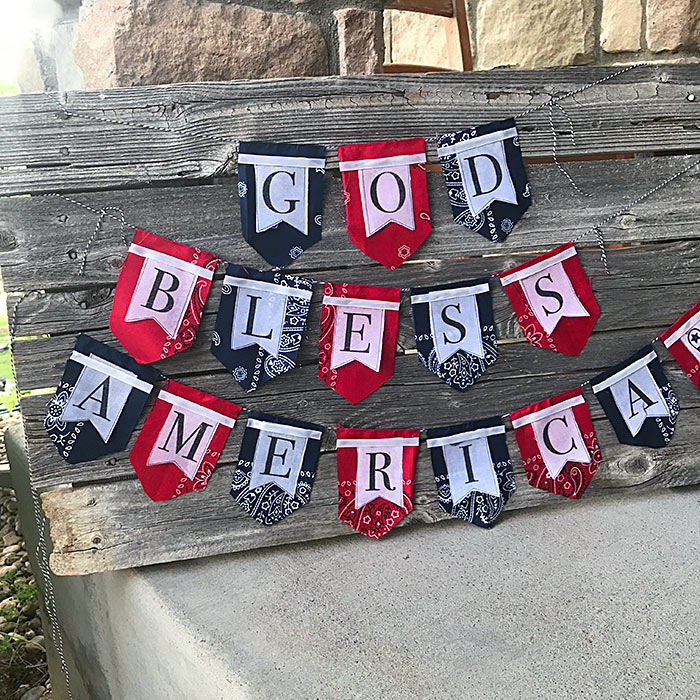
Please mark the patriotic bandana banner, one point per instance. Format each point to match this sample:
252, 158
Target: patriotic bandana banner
558, 444
280, 188
98, 401
485, 177
455, 330
683, 341
638, 400
359, 324
276, 466
386, 198
260, 324
553, 300
181, 441
375, 478
473, 470
160, 296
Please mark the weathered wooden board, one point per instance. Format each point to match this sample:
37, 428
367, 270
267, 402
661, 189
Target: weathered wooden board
644, 110
100, 518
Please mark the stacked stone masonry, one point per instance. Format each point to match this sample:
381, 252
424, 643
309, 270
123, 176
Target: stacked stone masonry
109, 43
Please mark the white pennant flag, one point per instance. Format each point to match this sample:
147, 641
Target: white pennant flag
379, 468
469, 462
186, 434
484, 169
279, 454
454, 320
100, 393
557, 434
358, 330
259, 313
636, 393
548, 290
281, 189
164, 288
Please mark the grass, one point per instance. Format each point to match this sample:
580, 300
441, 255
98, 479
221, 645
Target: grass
8, 398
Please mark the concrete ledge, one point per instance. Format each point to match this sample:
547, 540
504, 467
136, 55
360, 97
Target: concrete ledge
581, 600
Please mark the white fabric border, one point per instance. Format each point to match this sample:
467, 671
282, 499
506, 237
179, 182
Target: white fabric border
518, 275
188, 405
625, 372
282, 161
467, 435
260, 286
106, 367
456, 293
283, 428
388, 161
477, 141
377, 442
170, 260
682, 330
362, 303
549, 411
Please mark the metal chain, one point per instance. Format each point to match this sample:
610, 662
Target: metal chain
42, 554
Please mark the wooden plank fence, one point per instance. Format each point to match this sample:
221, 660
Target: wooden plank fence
178, 179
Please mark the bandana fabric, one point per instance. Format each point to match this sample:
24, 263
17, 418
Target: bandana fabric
375, 478
359, 324
455, 330
181, 441
638, 400
485, 177
473, 470
553, 300
386, 198
98, 401
160, 296
558, 444
280, 188
683, 341
276, 466
260, 324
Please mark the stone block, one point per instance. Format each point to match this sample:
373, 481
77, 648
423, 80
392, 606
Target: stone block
621, 25
119, 42
673, 24
417, 39
534, 33
360, 41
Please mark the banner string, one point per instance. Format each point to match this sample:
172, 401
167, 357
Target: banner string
42, 554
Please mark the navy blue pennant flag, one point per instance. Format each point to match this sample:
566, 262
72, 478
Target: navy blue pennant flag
280, 188
98, 401
638, 400
455, 331
485, 176
276, 466
473, 470
260, 324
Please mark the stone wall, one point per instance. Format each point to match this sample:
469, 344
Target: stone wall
109, 43
544, 33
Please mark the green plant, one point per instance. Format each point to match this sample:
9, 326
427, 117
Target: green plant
25, 593
6, 648
9, 577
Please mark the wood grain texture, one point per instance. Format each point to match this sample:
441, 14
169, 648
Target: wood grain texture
100, 517
44, 149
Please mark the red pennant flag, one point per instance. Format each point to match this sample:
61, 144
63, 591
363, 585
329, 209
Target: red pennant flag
160, 296
357, 345
683, 341
375, 478
181, 440
558, 444
386, 198
553, 300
